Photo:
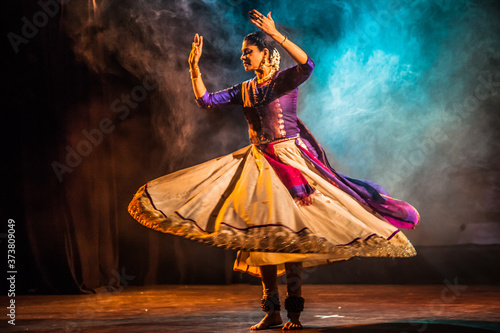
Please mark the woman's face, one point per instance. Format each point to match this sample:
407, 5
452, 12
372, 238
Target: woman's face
251, 56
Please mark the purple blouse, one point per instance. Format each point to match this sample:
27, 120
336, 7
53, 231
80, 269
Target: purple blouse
270, 110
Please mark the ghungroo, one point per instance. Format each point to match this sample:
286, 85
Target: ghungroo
294, 304
270, 303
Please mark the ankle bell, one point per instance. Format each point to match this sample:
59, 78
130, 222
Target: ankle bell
294, 304
270, 303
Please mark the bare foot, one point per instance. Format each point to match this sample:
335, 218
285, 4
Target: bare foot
270, 319
293, 322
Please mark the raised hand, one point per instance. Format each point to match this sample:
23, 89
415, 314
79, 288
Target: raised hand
264, 23
267, 26
196, 50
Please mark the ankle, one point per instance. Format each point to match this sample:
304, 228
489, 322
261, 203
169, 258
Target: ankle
274, 314
270, 304
294, 306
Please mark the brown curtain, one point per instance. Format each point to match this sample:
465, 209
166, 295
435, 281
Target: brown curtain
73, 231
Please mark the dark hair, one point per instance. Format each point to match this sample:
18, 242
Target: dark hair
261, 40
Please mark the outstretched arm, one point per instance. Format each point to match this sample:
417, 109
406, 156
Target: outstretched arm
266, 25
194, 57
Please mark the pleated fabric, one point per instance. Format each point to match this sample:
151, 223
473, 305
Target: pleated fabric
238, 202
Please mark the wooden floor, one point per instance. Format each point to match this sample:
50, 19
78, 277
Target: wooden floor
234, 308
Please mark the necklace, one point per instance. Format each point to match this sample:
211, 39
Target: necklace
267, 77
258, 106
265, 92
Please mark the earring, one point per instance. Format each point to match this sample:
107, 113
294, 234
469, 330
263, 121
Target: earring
263, 63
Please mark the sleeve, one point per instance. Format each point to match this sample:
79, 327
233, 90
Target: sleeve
292, 77
221, 98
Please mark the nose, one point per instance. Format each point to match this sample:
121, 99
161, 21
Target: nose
242, 57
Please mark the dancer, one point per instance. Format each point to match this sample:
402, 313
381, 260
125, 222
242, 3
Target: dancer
278, 201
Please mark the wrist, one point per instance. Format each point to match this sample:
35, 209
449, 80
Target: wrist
195, 73
285, 38
277, 36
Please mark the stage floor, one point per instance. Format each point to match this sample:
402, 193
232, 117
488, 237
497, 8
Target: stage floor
234, 308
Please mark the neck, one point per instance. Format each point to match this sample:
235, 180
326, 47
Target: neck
264, 75
261, 73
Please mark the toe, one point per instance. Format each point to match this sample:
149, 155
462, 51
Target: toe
292, 326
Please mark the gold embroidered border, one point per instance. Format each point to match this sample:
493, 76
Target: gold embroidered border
265, 239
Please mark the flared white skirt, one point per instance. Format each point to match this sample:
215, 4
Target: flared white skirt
238, 202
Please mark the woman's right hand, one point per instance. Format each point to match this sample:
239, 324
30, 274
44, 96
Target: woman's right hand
195, 54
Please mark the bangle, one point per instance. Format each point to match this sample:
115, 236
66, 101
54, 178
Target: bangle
284, 40
196, 71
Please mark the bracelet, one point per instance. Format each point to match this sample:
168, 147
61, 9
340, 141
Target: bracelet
284, 40
197, 73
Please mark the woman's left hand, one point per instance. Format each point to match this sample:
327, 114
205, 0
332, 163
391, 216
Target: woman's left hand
264, 23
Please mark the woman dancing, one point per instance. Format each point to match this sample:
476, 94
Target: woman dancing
278, 201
